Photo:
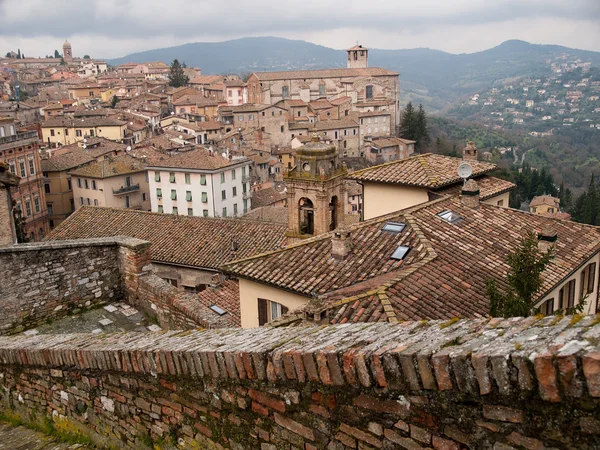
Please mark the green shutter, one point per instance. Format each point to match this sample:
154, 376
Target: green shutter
187, 178
173, 194
188, 196
204, 197
203, 180
157, 176
172, 177
159, 192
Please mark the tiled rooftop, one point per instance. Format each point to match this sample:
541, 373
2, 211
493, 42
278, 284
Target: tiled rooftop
110, 167
488, 187
191, 241
199, 159
426, 170
327, 73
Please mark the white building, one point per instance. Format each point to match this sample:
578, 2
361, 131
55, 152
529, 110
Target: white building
200, 183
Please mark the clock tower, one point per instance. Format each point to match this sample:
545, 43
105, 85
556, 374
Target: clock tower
316, 191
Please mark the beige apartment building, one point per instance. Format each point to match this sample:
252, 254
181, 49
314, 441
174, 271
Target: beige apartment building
116, 182
68, 130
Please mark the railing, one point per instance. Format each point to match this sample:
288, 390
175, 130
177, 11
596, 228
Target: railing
134, 206
126, 189
245, 178
19, 137
247, 195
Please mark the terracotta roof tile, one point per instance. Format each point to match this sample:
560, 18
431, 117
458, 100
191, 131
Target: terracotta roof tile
426, 170
227, 297
110, 167
199, 159
189, 241
488, 187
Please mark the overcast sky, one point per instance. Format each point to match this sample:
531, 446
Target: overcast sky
114, 28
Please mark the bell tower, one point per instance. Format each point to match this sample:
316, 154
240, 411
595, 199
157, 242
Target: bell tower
67, 51
358, 57
316, 191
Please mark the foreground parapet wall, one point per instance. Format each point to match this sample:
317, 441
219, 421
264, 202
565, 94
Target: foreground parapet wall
520, 383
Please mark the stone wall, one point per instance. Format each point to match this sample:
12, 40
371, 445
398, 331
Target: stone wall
6, 225
483, 384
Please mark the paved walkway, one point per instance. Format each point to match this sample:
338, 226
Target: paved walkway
21, 438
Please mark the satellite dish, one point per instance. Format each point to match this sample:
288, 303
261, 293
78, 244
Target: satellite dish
84, 146
84, 140
465, 170
128, 148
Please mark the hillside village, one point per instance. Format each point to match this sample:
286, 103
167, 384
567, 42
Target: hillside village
266, 262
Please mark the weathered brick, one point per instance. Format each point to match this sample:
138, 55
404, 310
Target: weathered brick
294, 427
361, 435
526, 442
589, 425
404, 442
546, 376
444, 444
591, 370
267, 400
502, 413
420, 434
381, 405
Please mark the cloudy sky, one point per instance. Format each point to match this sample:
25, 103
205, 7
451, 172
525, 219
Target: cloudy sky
114, 28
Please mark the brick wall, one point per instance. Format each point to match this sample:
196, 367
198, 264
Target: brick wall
494, 384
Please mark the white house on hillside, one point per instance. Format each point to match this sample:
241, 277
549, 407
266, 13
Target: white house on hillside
200, 183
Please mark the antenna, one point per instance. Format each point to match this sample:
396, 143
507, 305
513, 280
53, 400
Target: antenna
465, 170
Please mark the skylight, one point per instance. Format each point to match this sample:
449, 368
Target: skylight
218, 310
400, 253
394, 227
449, 216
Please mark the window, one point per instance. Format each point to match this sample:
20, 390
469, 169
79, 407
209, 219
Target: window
243, 172
160, 209
89, 202
235, 210
22, 169
187, 179
78, 133
500, 203
47, 188
204, 197
94, 187
205, 212
229, 93
50, 208
244, 188
81, 200
173, 194
69, 185
566, 296
27, 207
144, 196
250, 116
233, 174
369, 91
203, 180
245, 206
158, 192
66, 131
86, 184
92, 133
72, 201
394, 227
222, 177
36, 204
269, 311
240, 118
51, 132
188, 196
31, 165
234, 191
322, 90
175, 210
449, 216
223, 195
172, 177
224, 212
588, 276
400, 253
157, 176
285, 91
12, 166
190, 211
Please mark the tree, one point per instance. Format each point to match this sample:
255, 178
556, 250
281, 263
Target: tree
8, 55
56, 54
421, 130
19, 53
407, 127
86, 56
176, 76
244, 76
114, 101
184, 65
19, 223
526, 262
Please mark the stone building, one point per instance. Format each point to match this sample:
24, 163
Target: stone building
8, 233
20, 152
370, 88
316, 191
67, 51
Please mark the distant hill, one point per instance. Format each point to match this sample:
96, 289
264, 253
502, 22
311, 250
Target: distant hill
432, 77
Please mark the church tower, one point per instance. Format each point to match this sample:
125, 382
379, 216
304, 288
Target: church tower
358, 57
316, 191
67, 51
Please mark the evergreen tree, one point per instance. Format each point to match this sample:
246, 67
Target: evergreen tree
421, 130
19, 53
114, 101
407, 127
176, 76
524, 279
8, 55
56, 54
19, 223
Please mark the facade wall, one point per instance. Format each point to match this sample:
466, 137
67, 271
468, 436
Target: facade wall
104, 195
356, 386
380, 199
186, 277
67, 136
214, 206
375, 126
7, 232
251, 291
59, 201
499, 200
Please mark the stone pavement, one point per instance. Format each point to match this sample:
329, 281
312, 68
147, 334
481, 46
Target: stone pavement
21, 438
109, 319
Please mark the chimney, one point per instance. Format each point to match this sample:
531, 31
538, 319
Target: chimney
341, 244
469, 195
470, 152
546, 238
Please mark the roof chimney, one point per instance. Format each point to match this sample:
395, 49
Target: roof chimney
546, 238
341, 244
469, 196
470, 152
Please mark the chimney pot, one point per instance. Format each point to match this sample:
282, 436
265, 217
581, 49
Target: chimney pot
341, 244
547, 236
469, 195
470, 152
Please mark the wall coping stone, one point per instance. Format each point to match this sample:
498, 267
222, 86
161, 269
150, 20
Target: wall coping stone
121, 241
552, 358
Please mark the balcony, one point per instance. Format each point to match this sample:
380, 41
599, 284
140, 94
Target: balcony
245, 178
126, 189
137, 206
246, 195
27, 137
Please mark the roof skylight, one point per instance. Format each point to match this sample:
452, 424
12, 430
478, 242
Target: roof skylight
449, 216
394, 227
400, 253
218, 310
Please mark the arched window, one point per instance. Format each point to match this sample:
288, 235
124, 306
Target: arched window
306, 216
369, 91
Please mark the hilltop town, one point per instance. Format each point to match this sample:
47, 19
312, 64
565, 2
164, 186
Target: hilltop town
269, 262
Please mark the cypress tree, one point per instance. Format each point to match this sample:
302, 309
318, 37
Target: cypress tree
177, 77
